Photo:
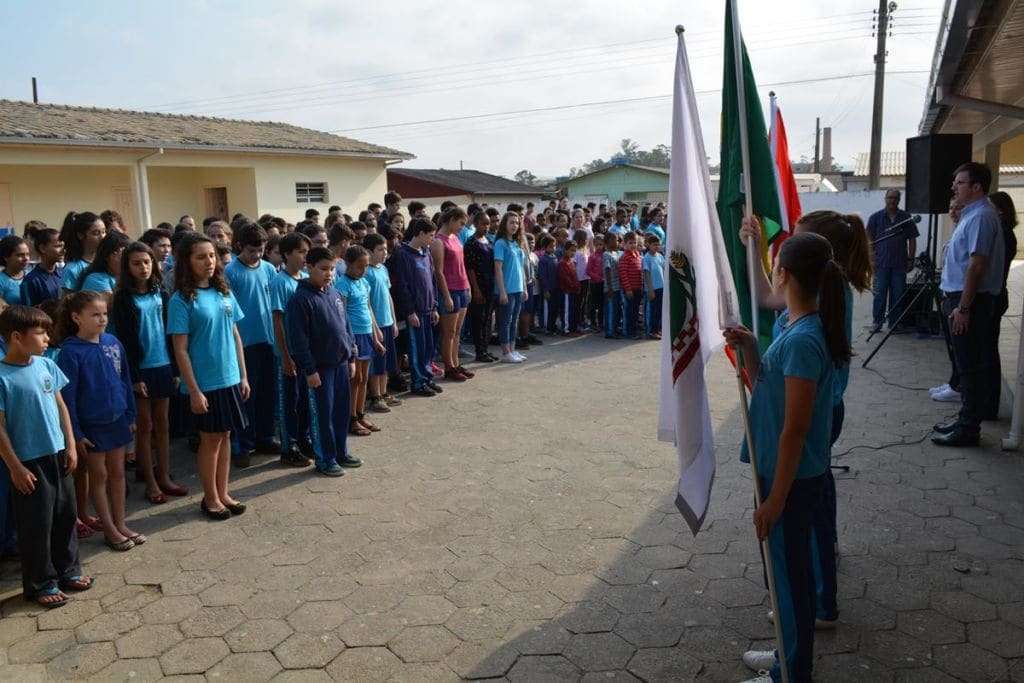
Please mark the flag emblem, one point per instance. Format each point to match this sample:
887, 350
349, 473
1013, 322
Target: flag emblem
685, 323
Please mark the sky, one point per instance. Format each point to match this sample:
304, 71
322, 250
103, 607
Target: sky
359, 68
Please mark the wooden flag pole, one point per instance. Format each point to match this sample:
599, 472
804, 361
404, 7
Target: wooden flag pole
748, 211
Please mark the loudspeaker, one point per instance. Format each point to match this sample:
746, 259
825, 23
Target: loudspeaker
931, 160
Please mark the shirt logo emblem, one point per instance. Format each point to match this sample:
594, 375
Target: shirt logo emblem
228, 312
47, 385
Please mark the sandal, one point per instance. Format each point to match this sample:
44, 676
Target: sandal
356, 429
122, 546
367, 424
156, 498
83, 530
93, 523
174, 490
138, 539
43, 598
77, 583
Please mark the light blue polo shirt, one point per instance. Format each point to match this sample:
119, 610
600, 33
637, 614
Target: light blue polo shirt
357, 303
72, 271
466, 234
28, 393
209, 321
655, 229
282, 287
10, 288
619, 230
798, 351
380, 294
655, 265
251, 287
99, 282
510, 254
978, 232
152, 335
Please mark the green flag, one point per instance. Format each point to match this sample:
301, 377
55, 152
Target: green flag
762, 176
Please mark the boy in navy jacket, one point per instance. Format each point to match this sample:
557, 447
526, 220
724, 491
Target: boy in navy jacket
415, 295
323, 349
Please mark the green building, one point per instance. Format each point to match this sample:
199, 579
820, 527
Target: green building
626, 182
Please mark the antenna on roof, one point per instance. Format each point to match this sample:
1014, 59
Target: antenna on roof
35, 91
460, 165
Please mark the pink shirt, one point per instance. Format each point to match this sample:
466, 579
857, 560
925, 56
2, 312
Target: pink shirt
595, 266
454, 266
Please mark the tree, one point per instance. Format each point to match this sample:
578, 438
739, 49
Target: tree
525, 177
629, 152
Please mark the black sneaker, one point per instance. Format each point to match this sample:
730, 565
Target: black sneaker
269, 447
494, 359
532, 339
484, 358
350, 461
293, 457
435, 387
397, 384
307, 449
424, 391
522, 345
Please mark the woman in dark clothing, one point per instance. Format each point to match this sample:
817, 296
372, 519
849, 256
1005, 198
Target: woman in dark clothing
1008, 219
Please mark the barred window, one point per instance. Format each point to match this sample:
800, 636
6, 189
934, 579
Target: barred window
311, 193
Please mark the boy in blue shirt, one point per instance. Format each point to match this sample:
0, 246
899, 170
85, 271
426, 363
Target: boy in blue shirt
42, 283
324, 351
384, 363
654, 285
415, 295
292, 398
250, 277
38, 450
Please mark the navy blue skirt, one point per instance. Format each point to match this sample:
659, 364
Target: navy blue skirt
364, 342
226, 412
117, 434
159, 381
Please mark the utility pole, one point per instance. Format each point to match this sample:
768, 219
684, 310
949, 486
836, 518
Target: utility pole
882, 28
817, 144
35, 91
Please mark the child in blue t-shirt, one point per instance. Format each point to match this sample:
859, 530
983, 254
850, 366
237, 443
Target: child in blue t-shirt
81, 234
38, 452
101, 275
140, 316
385, 362
101, 404
14, 257
791, 424
202, 319
249, 277
654, 285
355, 292
292, 396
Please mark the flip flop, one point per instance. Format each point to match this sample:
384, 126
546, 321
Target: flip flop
40, 598
121, 547
174, 490
157, 498
138, 539
77, 583
83, 530
93, 523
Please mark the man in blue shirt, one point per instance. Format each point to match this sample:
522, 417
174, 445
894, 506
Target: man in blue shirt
972, 278
893, 256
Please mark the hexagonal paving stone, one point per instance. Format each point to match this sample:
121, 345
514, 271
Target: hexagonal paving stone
316, 617
543, 668
302, 676
423, 610
302, 650
993, 589
71, 615
663, 557
599, 651
188, 583
476, 593
664, 664
365, 630
107, 627
81, 661
423, 643
40, 647
193, 656
896, 650
151, 573
530, 605
365, 664
212, 622
999, 637
128, 670
963, 606
129, 598
170, 610
867, 614
850, 668
658, 629
272, 604
632, 599
735, 592
479, 623
373, 599
148, 641
257, 635
251, 666
487, 659
15, 629
969, 662
539, 638
931, 627
475, 568
717, 566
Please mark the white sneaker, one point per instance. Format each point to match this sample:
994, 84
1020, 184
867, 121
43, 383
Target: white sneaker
762, 677
819, 624
759, 660
519, 357
947, 395
938, 389
509, 358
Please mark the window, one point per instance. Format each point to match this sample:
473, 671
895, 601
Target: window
311, 193
634, 196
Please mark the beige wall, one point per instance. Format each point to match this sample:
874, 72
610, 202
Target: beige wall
47, 193
351, 184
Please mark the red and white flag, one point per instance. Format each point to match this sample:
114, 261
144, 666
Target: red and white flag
785, 183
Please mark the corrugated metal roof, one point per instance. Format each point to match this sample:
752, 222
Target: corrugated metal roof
27, 123
894, 163
475, 182
652, 169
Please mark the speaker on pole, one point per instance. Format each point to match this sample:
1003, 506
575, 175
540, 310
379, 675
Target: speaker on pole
931, 160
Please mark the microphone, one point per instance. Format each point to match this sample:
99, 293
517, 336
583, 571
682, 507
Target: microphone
893, 231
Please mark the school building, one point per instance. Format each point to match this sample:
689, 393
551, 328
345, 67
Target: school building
154, 167
432, 186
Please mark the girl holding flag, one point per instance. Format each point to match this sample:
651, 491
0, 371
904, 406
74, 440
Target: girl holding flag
791, 423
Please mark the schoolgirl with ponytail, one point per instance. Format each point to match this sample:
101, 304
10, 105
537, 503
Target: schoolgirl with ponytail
81, 234
791, 424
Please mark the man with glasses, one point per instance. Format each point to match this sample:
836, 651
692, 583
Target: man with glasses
893, 257
972, 278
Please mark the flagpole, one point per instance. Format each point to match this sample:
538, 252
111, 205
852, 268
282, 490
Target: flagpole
748, 211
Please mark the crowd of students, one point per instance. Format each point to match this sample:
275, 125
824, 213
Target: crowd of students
258, 336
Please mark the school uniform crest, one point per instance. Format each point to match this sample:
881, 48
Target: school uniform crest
114, 354
228, 308
47, 384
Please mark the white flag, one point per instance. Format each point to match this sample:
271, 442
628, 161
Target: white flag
699, 301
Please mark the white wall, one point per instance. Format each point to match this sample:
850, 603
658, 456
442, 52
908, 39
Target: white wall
864, 203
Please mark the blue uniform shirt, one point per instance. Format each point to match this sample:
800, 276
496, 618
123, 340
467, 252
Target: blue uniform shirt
99, 282
380, 294
510, 254
655, 265
798, 351
209, 321
72, 271
978, 232
282, 287
655, 229
40, 285
152, 336
29, 401
466, 234
891, 252
357, 303
10, 288
251, 287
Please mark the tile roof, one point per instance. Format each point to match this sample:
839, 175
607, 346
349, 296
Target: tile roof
476, 182
25, 123
894, 163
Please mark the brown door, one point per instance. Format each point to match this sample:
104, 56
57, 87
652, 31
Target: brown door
124, 204
217, 202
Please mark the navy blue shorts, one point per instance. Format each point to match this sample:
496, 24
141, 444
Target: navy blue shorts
159, 381
364, 342
385, 363
460, 300
117, 434
226, 412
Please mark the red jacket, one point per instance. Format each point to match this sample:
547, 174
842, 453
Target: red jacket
631, 276
567, 280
